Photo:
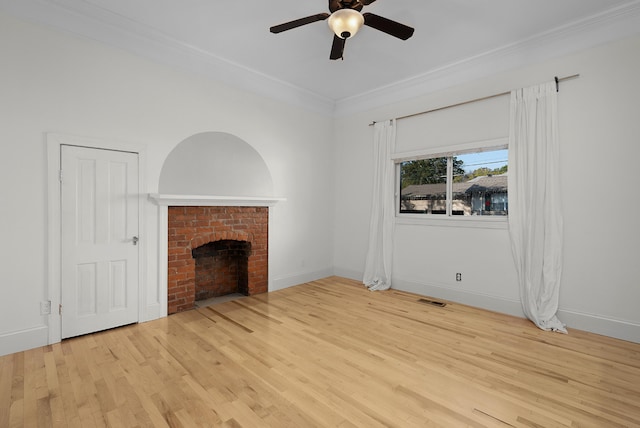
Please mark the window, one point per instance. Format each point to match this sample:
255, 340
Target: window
469, 183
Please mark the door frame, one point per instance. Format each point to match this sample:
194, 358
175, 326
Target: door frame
53, 288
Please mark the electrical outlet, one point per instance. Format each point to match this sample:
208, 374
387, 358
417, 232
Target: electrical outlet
458, 276
45, 307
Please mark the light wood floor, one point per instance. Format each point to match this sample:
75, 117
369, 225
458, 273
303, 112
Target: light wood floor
327, 353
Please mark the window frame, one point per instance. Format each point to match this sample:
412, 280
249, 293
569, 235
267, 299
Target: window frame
447, 220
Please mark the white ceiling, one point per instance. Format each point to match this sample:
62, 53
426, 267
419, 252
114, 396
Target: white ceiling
453, 40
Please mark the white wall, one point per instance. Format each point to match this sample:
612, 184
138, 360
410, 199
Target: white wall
215, 163
599, 131
53, 82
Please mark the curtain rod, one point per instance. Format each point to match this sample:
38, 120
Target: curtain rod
558, 80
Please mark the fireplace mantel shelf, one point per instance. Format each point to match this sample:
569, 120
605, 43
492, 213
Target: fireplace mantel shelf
209, 200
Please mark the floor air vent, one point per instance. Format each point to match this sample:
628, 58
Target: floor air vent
432, 302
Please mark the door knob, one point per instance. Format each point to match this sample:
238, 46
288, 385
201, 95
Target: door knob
135, 240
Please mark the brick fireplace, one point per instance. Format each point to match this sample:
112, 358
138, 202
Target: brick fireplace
215, 250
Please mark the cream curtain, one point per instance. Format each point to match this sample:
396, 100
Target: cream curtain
377, 271
535, 218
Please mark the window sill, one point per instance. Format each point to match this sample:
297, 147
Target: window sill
476, 222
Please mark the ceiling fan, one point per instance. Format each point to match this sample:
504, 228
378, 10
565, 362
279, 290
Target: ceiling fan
345, 20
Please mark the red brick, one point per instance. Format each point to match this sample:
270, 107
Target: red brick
192, 227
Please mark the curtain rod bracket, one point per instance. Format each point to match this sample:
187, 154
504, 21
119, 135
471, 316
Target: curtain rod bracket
557, 84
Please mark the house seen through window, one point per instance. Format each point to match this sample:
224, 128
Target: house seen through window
467, 184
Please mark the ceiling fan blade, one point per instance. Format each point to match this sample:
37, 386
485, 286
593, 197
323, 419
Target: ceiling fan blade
388, 26
367, 2
298, 22
337, 48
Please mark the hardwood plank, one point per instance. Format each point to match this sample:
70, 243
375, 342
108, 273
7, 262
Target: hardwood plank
6, 376
326, 353
30, 387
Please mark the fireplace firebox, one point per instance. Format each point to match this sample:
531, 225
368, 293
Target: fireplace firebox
214, 251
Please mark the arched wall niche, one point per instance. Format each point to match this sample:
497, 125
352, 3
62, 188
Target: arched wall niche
216, 164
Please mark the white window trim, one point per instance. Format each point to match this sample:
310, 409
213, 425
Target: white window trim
478, 222
486, 222
459, 149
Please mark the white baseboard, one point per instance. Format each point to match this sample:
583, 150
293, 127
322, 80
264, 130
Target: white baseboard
17, 341
34, 337
298, 278
598, 324
483, 301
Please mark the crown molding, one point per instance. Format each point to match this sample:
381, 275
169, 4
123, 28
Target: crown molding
91, 22
613, 24
97, 24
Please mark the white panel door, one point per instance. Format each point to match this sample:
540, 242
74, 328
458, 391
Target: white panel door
99, 239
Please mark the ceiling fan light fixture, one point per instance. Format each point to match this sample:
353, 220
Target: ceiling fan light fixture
345, 23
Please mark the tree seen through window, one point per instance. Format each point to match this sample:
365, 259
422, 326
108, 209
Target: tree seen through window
479, 184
